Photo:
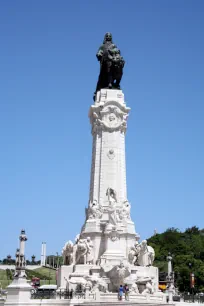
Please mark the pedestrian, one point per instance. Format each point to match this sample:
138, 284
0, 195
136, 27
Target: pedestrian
71, 294
126, 290
120, 292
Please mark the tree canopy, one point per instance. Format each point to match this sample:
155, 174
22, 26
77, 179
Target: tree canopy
187, 249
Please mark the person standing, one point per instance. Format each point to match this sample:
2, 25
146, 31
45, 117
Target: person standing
120, 293
126, 290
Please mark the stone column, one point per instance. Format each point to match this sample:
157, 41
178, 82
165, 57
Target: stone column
20, 257
169, 259
108, 119
108, 116
19, 289
43, 254
23, 239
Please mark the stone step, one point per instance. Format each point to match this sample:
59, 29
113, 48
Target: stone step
123, 303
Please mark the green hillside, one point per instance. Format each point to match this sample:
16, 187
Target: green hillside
49, 273
5, 277
187, 249
46, 275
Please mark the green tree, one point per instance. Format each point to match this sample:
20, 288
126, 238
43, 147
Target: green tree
187, 249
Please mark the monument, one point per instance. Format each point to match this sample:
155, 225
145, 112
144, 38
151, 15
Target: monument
19, 289
107, 252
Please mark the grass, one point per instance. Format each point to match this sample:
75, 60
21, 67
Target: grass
5, 283
47, 282
3, 279
47, 276
49, 273
3, 274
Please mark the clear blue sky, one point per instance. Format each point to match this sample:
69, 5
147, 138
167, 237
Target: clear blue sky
47, 78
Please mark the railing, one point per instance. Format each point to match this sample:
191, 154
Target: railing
176, 298
52, 294
43, 294
191, 298
70, 294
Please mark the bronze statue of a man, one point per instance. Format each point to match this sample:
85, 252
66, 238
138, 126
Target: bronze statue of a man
111, 64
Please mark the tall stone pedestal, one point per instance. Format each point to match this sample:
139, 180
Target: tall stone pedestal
108, 117
107, 253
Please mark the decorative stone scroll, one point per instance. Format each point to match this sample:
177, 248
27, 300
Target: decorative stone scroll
110, 117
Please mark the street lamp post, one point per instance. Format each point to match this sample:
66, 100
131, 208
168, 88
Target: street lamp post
57, 259
170, 278
57, 266
192, 280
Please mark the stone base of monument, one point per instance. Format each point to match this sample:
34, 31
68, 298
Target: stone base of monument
71, 276
135, 298
63, 275
18, 292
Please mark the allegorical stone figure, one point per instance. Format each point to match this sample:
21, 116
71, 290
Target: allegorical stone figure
84, 252
112, 206
125, 211
67, 253
89, 254
133, 253
146, 254
94, 211
111, 64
